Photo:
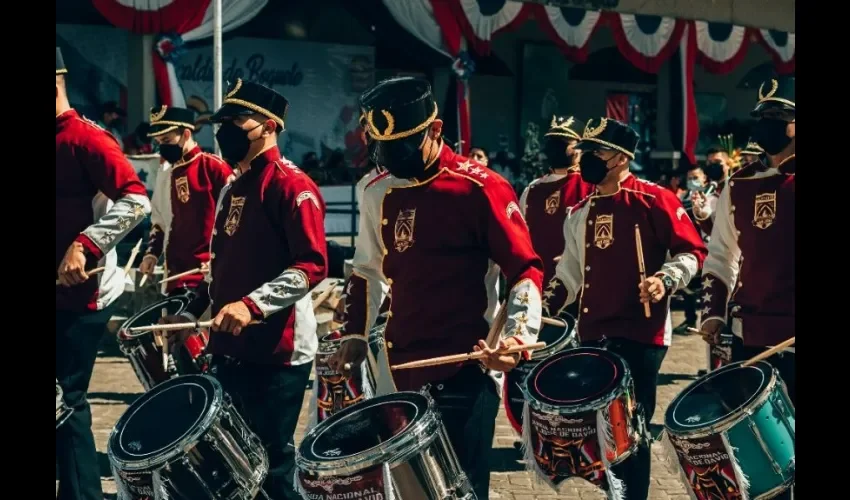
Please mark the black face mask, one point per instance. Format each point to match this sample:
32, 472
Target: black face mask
171, 152
234, 142
402, 157
770, 134
593, 168
714, 171
556, 153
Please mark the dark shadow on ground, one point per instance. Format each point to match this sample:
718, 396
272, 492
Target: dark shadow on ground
116, 397
672, 378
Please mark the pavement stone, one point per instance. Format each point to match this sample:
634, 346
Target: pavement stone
114, 386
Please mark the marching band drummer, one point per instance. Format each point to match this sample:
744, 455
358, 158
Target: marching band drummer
99, 200
546, 201
194, 182
267, 252
751, 251
599, 269
428, 228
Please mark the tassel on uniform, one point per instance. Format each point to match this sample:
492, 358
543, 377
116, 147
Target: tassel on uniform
159, 489
123, 493
605, 438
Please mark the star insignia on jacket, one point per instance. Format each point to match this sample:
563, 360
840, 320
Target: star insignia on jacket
548, 294
124, 223
705, 310
553, 285
465, 166
706, 297
138, 211
706, 282
348, 288
523, 298
522, 319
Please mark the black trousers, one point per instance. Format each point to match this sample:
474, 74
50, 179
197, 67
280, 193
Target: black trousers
785, 365
77, 338
269, 398
468, 404
644, 362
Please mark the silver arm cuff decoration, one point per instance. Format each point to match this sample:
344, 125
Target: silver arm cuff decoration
125, 214
282, 292
524, 312
682, 268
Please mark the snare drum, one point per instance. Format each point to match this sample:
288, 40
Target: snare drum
63, 411
733, 433
333, 391
580, 417
392, 446
184, 439
557, 338
146, 357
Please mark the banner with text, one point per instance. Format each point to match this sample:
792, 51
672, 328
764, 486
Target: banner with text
321, 82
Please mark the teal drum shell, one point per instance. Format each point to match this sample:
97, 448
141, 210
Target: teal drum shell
750, 408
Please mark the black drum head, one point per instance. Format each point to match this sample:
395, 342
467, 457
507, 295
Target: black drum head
164, 418
575, 377
364, 426
151, 314
717, 396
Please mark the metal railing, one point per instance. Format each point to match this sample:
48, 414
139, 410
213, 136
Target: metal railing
351, 208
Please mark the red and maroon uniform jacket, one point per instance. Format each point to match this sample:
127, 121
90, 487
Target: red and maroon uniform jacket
194, 185
429, 244
753, 244
99, 199
268, 250
545, 204
599, 266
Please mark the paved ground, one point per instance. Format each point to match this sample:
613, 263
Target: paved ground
114, 387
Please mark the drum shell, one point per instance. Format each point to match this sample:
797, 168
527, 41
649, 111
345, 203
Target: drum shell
146, 357
218, 455
761, 435
420, 460
513, 398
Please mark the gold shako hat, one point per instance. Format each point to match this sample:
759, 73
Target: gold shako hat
776, 94
247, 98
609, 134
60, 63
752, 148
568, 127
164, 119
398, 108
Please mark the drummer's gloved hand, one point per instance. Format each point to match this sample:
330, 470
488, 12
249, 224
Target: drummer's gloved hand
177, 337
496, 361
232, 318
148, 264
711, 329
351, 352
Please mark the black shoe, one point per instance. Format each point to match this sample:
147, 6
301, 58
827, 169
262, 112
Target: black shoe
683, 328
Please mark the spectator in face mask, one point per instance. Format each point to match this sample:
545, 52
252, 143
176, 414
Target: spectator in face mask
695, 179
716, 170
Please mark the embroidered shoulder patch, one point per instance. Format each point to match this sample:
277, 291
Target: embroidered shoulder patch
513, 208
306, 195
680, 212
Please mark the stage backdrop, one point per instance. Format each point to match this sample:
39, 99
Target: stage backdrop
321, 82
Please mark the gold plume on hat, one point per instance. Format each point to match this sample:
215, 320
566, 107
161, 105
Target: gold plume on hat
774, 86
157, 115
563, 126
593, 132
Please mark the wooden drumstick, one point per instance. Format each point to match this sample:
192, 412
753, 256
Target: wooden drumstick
324, 295
460, 358
163, 344
91, 273
495, 332
770, 352
551, 321
641, 267
170, 328
180, 275
132, 258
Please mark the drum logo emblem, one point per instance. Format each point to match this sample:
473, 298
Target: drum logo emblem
765, 210
182, 186
693, 419
134, 446
553, 202
333, 453
603, 232
231, 224
404, 225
